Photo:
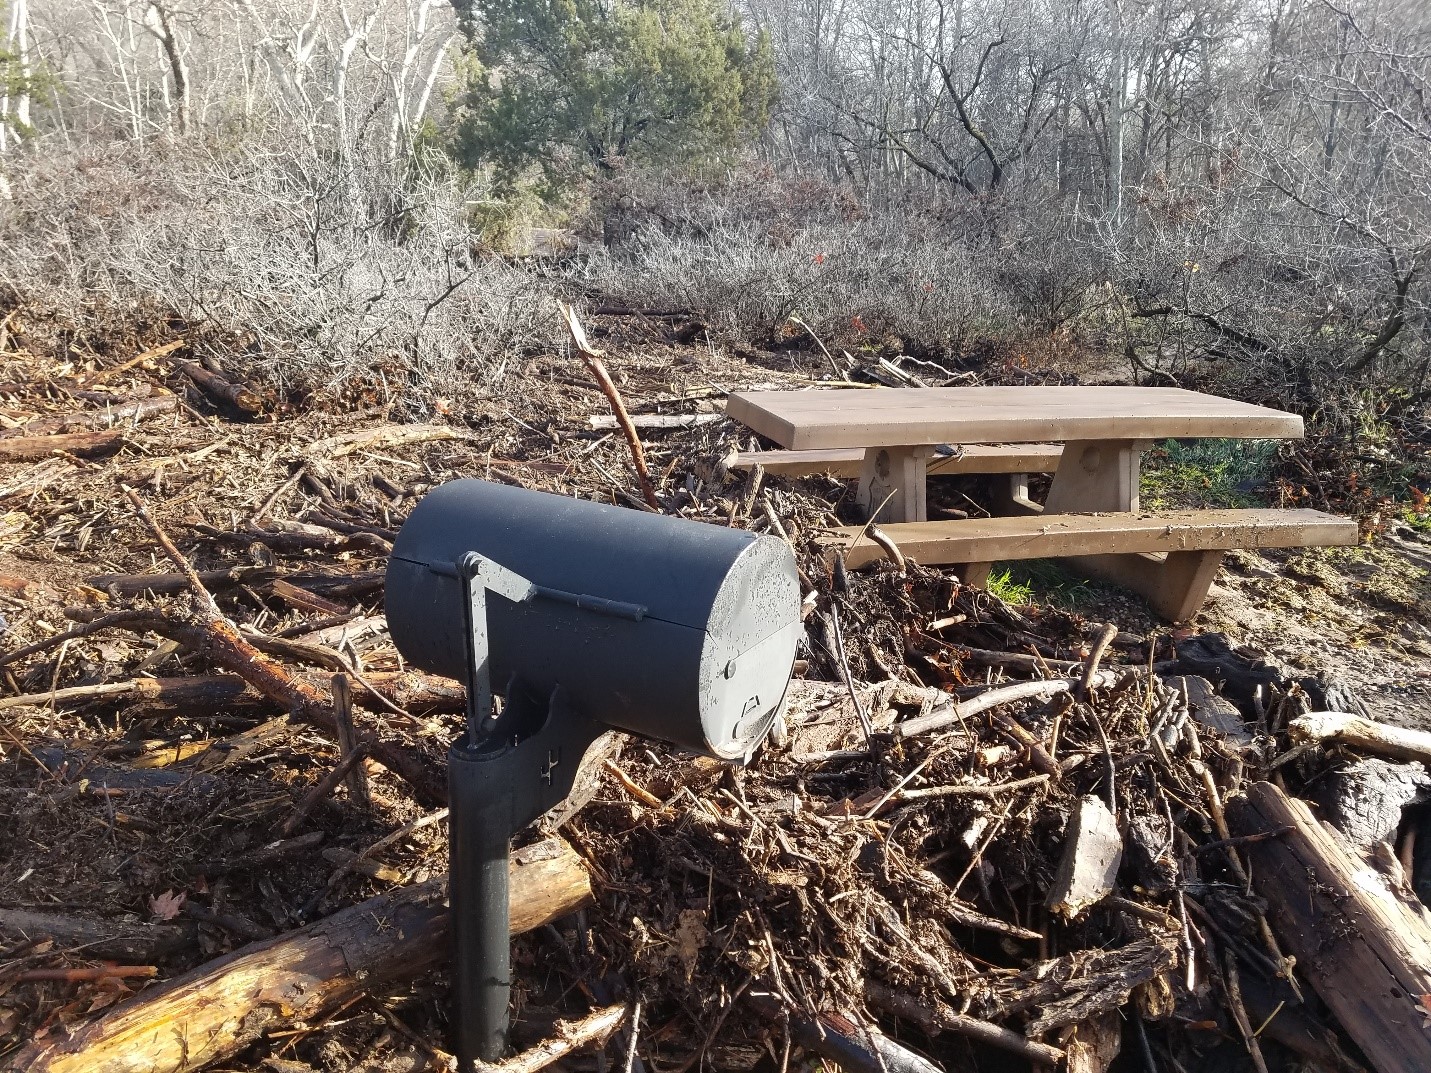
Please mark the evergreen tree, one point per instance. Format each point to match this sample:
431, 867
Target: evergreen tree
579, 86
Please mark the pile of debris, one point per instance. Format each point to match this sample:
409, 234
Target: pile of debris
979, 834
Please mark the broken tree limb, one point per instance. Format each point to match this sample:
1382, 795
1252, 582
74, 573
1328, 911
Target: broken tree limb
82, 444
961, 710
934, 1017
221, 388
1328, 728
219, 1008
230, 694
852, 1047
567, 1036
1363, 944
591, 358
109, 417
382, 436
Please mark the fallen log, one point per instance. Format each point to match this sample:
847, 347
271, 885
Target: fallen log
83, 444
125, 939
1363, 944
331, 584
110, 417
221, 388
219, 1008
1339, 728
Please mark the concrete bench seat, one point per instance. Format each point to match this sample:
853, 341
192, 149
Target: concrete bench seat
1169, 557
848, 461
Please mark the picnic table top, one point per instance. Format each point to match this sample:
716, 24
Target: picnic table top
908, 417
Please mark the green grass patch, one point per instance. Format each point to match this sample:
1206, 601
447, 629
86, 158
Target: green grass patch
1041, 581
1207, 474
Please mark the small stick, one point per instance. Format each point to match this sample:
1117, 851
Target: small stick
635, 1034
591, 358
774, 518
357, 778
1239, 1012
279, 492
641, 794
185, 567
864, 718
322, 789
79, 974
937, 1017
1095, 656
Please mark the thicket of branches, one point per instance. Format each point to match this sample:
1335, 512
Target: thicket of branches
1210, 191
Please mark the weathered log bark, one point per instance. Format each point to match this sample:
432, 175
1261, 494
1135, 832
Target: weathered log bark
218, 1009
1362, 944
83, 444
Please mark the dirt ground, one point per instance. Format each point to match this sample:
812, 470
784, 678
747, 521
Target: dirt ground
224, 488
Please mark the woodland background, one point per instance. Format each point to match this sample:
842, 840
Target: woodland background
339, 196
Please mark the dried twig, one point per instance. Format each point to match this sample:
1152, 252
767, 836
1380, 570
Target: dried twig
591, 358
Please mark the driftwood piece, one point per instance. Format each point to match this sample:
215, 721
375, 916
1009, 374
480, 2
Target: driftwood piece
221, 388
1339, 728
1212, 709
591, 358
109, 417
126, 939
83, 444
1364, 800
219, 1008
1363, 943
1092, 852
601, 422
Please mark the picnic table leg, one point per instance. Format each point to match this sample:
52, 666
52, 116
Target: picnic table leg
1103, 475
1096, 475
892, 484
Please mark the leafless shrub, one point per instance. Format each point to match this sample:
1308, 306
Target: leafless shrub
321, 274
749, 256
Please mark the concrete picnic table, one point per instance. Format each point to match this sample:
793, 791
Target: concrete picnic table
1170, 558
1104, 431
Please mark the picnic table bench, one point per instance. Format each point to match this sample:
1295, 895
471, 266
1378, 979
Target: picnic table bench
1091, 514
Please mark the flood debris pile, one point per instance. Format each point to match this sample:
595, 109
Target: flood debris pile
980, 837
